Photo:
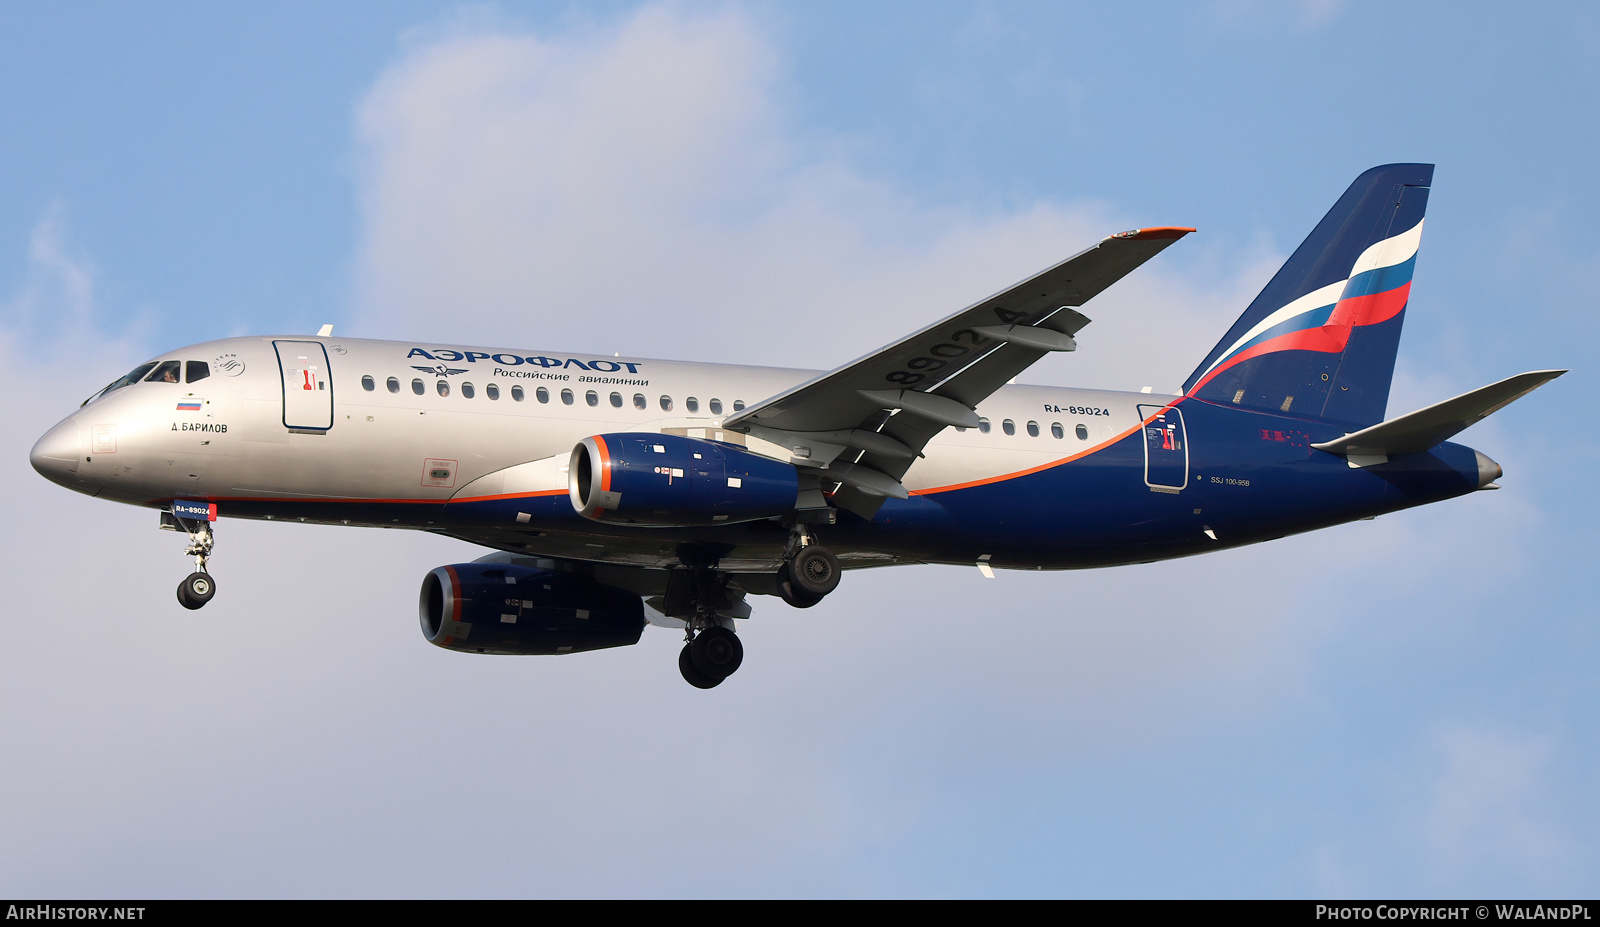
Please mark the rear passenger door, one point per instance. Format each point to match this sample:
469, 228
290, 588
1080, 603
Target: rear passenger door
1166, 449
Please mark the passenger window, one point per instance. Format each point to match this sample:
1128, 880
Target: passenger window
1056, 431
738, 405
197, 370
1033, 429
1009, 427
166, 373
983, 426
639, 402
592, 398
541, 394
1082, 431
616, 400
492, 391
692, 404
566, 397
394, 385
443, 386
666, 403
716, 407
417, 387
466, 390
517, 394
367, 384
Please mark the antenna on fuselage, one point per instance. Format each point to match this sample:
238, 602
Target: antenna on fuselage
325, 330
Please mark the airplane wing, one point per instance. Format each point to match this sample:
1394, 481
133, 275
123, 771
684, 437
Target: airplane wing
864, 424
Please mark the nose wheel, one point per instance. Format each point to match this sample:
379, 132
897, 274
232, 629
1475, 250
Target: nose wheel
196, 590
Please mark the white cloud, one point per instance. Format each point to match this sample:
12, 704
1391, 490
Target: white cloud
54, 315
638, 189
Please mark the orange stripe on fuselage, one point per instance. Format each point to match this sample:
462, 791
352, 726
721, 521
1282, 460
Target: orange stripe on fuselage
511, 495
1031, 470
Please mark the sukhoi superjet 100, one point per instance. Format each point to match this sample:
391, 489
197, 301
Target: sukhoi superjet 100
618, 493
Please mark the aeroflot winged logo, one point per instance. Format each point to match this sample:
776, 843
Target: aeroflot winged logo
441, 370
604, 365
1376, 291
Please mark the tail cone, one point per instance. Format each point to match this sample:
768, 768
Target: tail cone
1488, 471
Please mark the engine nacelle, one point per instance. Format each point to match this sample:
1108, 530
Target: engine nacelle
673, 481
504, 608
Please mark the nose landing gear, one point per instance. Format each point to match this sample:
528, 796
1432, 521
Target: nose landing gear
198, 587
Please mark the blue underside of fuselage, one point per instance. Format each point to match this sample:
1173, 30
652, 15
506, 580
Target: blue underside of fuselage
1251, 476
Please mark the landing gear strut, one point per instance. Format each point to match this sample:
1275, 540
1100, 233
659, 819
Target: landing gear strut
198, 587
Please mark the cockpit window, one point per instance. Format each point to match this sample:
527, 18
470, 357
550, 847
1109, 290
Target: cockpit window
196, 370
167, 372
134, 376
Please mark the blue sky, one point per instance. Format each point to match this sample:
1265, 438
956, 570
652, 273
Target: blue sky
1398, 708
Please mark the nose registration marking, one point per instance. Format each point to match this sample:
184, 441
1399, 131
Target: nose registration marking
105, 439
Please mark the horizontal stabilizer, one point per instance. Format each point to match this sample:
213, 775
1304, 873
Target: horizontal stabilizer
1425, 428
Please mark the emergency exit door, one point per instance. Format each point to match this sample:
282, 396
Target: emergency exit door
307, 387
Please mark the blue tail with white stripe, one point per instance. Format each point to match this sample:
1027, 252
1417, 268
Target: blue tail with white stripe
1320, 340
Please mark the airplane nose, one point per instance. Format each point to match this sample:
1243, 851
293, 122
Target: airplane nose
56, 456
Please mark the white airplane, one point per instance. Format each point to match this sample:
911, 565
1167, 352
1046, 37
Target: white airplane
618, 492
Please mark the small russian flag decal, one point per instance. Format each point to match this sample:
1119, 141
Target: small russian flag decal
190, 405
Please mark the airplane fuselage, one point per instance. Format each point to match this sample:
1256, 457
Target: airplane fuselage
474, 442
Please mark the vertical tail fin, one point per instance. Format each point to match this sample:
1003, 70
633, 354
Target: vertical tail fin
1321, 339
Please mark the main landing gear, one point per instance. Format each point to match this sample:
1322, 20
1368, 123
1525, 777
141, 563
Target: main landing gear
698, 595
810, 572
700, 598
198, 587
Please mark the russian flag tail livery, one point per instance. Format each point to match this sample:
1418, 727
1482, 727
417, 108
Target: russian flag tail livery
1321, 339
